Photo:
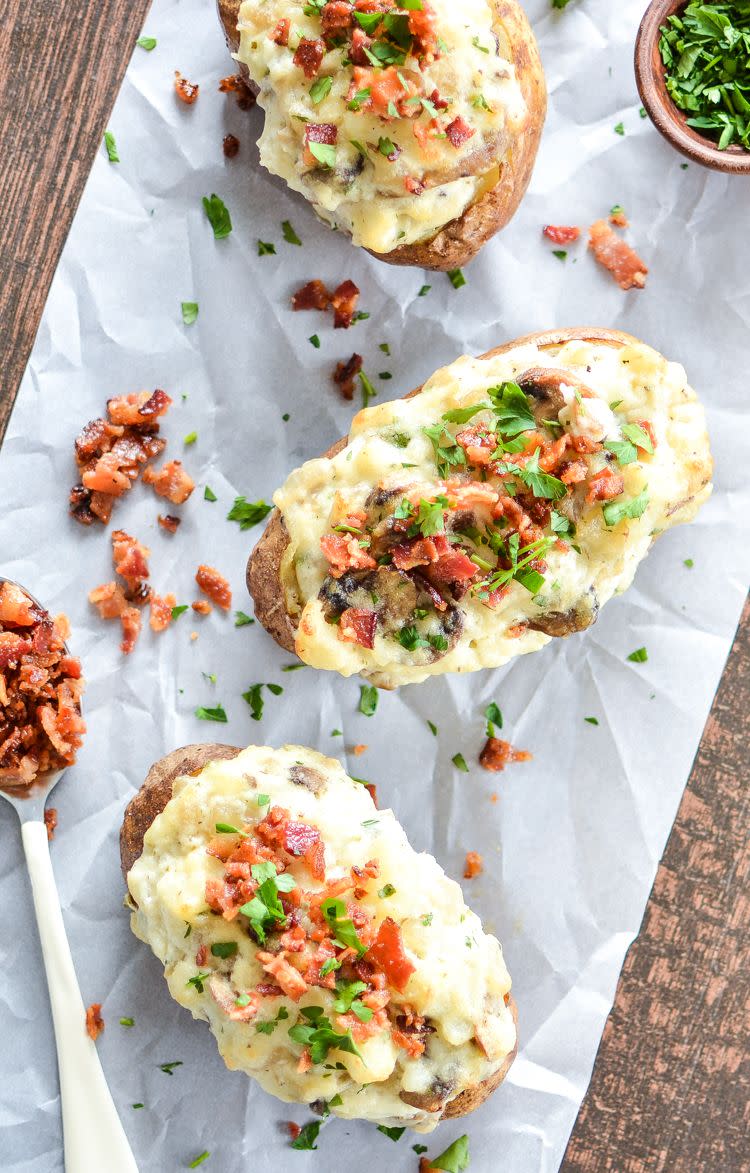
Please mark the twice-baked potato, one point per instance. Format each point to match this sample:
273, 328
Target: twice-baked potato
499, 506
413, 128
332, 962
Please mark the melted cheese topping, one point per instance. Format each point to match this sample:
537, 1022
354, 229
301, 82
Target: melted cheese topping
460, 981
642, 385
364, 193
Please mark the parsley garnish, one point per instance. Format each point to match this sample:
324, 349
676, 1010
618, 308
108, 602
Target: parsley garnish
424, 290
319, 90
197, 980
224, 948
448, 454
248, 513
433, 728
592, 720
368, 391
368, 699
209, 495
386, 891
127, 1022
494, 718
266, 248
455, 1158
456, 278
511, 407
689, 563
265, 911
459, 761
190, 438
287, 231
345, 934
199, 1159
639, 656
228, 829
314, 340
560, 253
168, 1068
317, 1034
542, 484
325, 153
218, 216
308, 1135
634, 507
111, 145
179, 610
269, 1026
147, 43
391, 1133
215, 714
242, 620
189, 312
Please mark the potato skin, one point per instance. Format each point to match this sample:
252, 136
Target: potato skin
461, 239
156, 792
264, 564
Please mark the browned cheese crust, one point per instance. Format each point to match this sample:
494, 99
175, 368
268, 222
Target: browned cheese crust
461, 239
264, 566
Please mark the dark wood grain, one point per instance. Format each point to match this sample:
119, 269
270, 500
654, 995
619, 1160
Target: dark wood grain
61, 65
671, 1085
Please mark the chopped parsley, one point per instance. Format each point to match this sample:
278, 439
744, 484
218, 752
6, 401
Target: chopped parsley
639, 656
248, 513
218, 216
199, 1159
455, 1158
266, 248
689, 563
455, 276
494, 718
386, 891
314, 340
560, 253
325, 153
345, 934
179, 610
633, 507
592, 720
209, 495
424, 290
432, 728
459, 761
265, 911
368, 391
111, 146
197, 980
242, 620
287, 231
168, 1068
127, 1022
391, 1133
319, 90
224, 948
147, 43
215, 714
308, 1135
316, 1033
189, 312
368, 699
620, 129
190, 438
269, 1026
227, 829
448, 454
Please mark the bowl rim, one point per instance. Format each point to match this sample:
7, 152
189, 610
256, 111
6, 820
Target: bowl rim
668, 119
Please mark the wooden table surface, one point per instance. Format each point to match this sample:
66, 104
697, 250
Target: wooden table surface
671, 1086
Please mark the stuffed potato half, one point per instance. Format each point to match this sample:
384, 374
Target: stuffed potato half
332, 962
412, 128
497, 508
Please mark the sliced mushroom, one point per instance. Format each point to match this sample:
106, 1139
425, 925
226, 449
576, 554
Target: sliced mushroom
305, 776
577, 618
543, 386
432, 1101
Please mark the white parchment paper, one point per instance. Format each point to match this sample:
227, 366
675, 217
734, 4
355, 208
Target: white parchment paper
572, 844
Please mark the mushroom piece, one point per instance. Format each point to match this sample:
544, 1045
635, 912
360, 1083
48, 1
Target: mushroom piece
401, 601
433, 1100
577, 618
543, 385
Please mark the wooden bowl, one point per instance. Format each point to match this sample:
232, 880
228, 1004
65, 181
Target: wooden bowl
668, 119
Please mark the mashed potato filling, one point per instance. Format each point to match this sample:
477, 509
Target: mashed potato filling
452, 474
430, 1018
390, 123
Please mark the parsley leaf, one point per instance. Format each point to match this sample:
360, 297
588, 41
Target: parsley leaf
189, 312
542, 484
511, 406
147, 43
209, 495
634, 507
248, 513
325, 153
287, 231
319, 90
242, 620
224, 948
266, 248
345, 934
368, 699
448, 454
391, 1133
455, 1158
459, 761
111, 145
215, 714
168, 1068
308, 1135
218, 216
265, 911
639, 656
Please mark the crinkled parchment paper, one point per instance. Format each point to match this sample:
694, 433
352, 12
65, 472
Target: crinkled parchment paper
572, 844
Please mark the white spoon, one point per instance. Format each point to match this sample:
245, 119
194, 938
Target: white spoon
93, 1137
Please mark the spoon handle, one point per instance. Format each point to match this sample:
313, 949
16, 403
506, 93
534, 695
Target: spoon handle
93, 1136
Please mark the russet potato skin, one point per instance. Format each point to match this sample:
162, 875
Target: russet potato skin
151, 799
461, 239
264, 565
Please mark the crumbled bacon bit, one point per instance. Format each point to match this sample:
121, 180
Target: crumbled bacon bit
161, 611
230, 145
186, 91
280, 33
387, 952
171, 481
313, 296
50, 821
344, 553
617, 257
358, 625
324, 133
559, 234
94, 1021
130, 560
423, 26
293, 1129
473, 866
335, 17
618, 218
458, 132
344, 301
202, 607
413, 186
604, 485
309, 55
497, 754
358, 750
236, 84
215, 586
41, 727
346, 373
169, 522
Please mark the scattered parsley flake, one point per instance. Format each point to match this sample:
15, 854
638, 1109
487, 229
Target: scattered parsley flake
314, 341
634, 507
455, 1158
215, 714
266, 248
189, 312
325, 153
127, 1022
424, 291
620, 129
560, 253
179, 610
432, 728
248, 513
218, 216
168, 1068
147, 43
199, 1159
224, 948
242, 620
308, 1135
592, 720
208, 494
368, 699
386, 891
368, 391
290, 236
689, 563
190, 438
391, 1133
111, 145
459, 761
639, 656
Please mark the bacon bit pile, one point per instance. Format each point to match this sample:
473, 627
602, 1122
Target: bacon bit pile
236, 84
94, 1021
346, 373
130, 560
230, 145
617, 257
561, 235
343, 300
40, 691
186, 90
305, 950
111, 454
497, 754
50, 822
215, 586
169, 522
474, 865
